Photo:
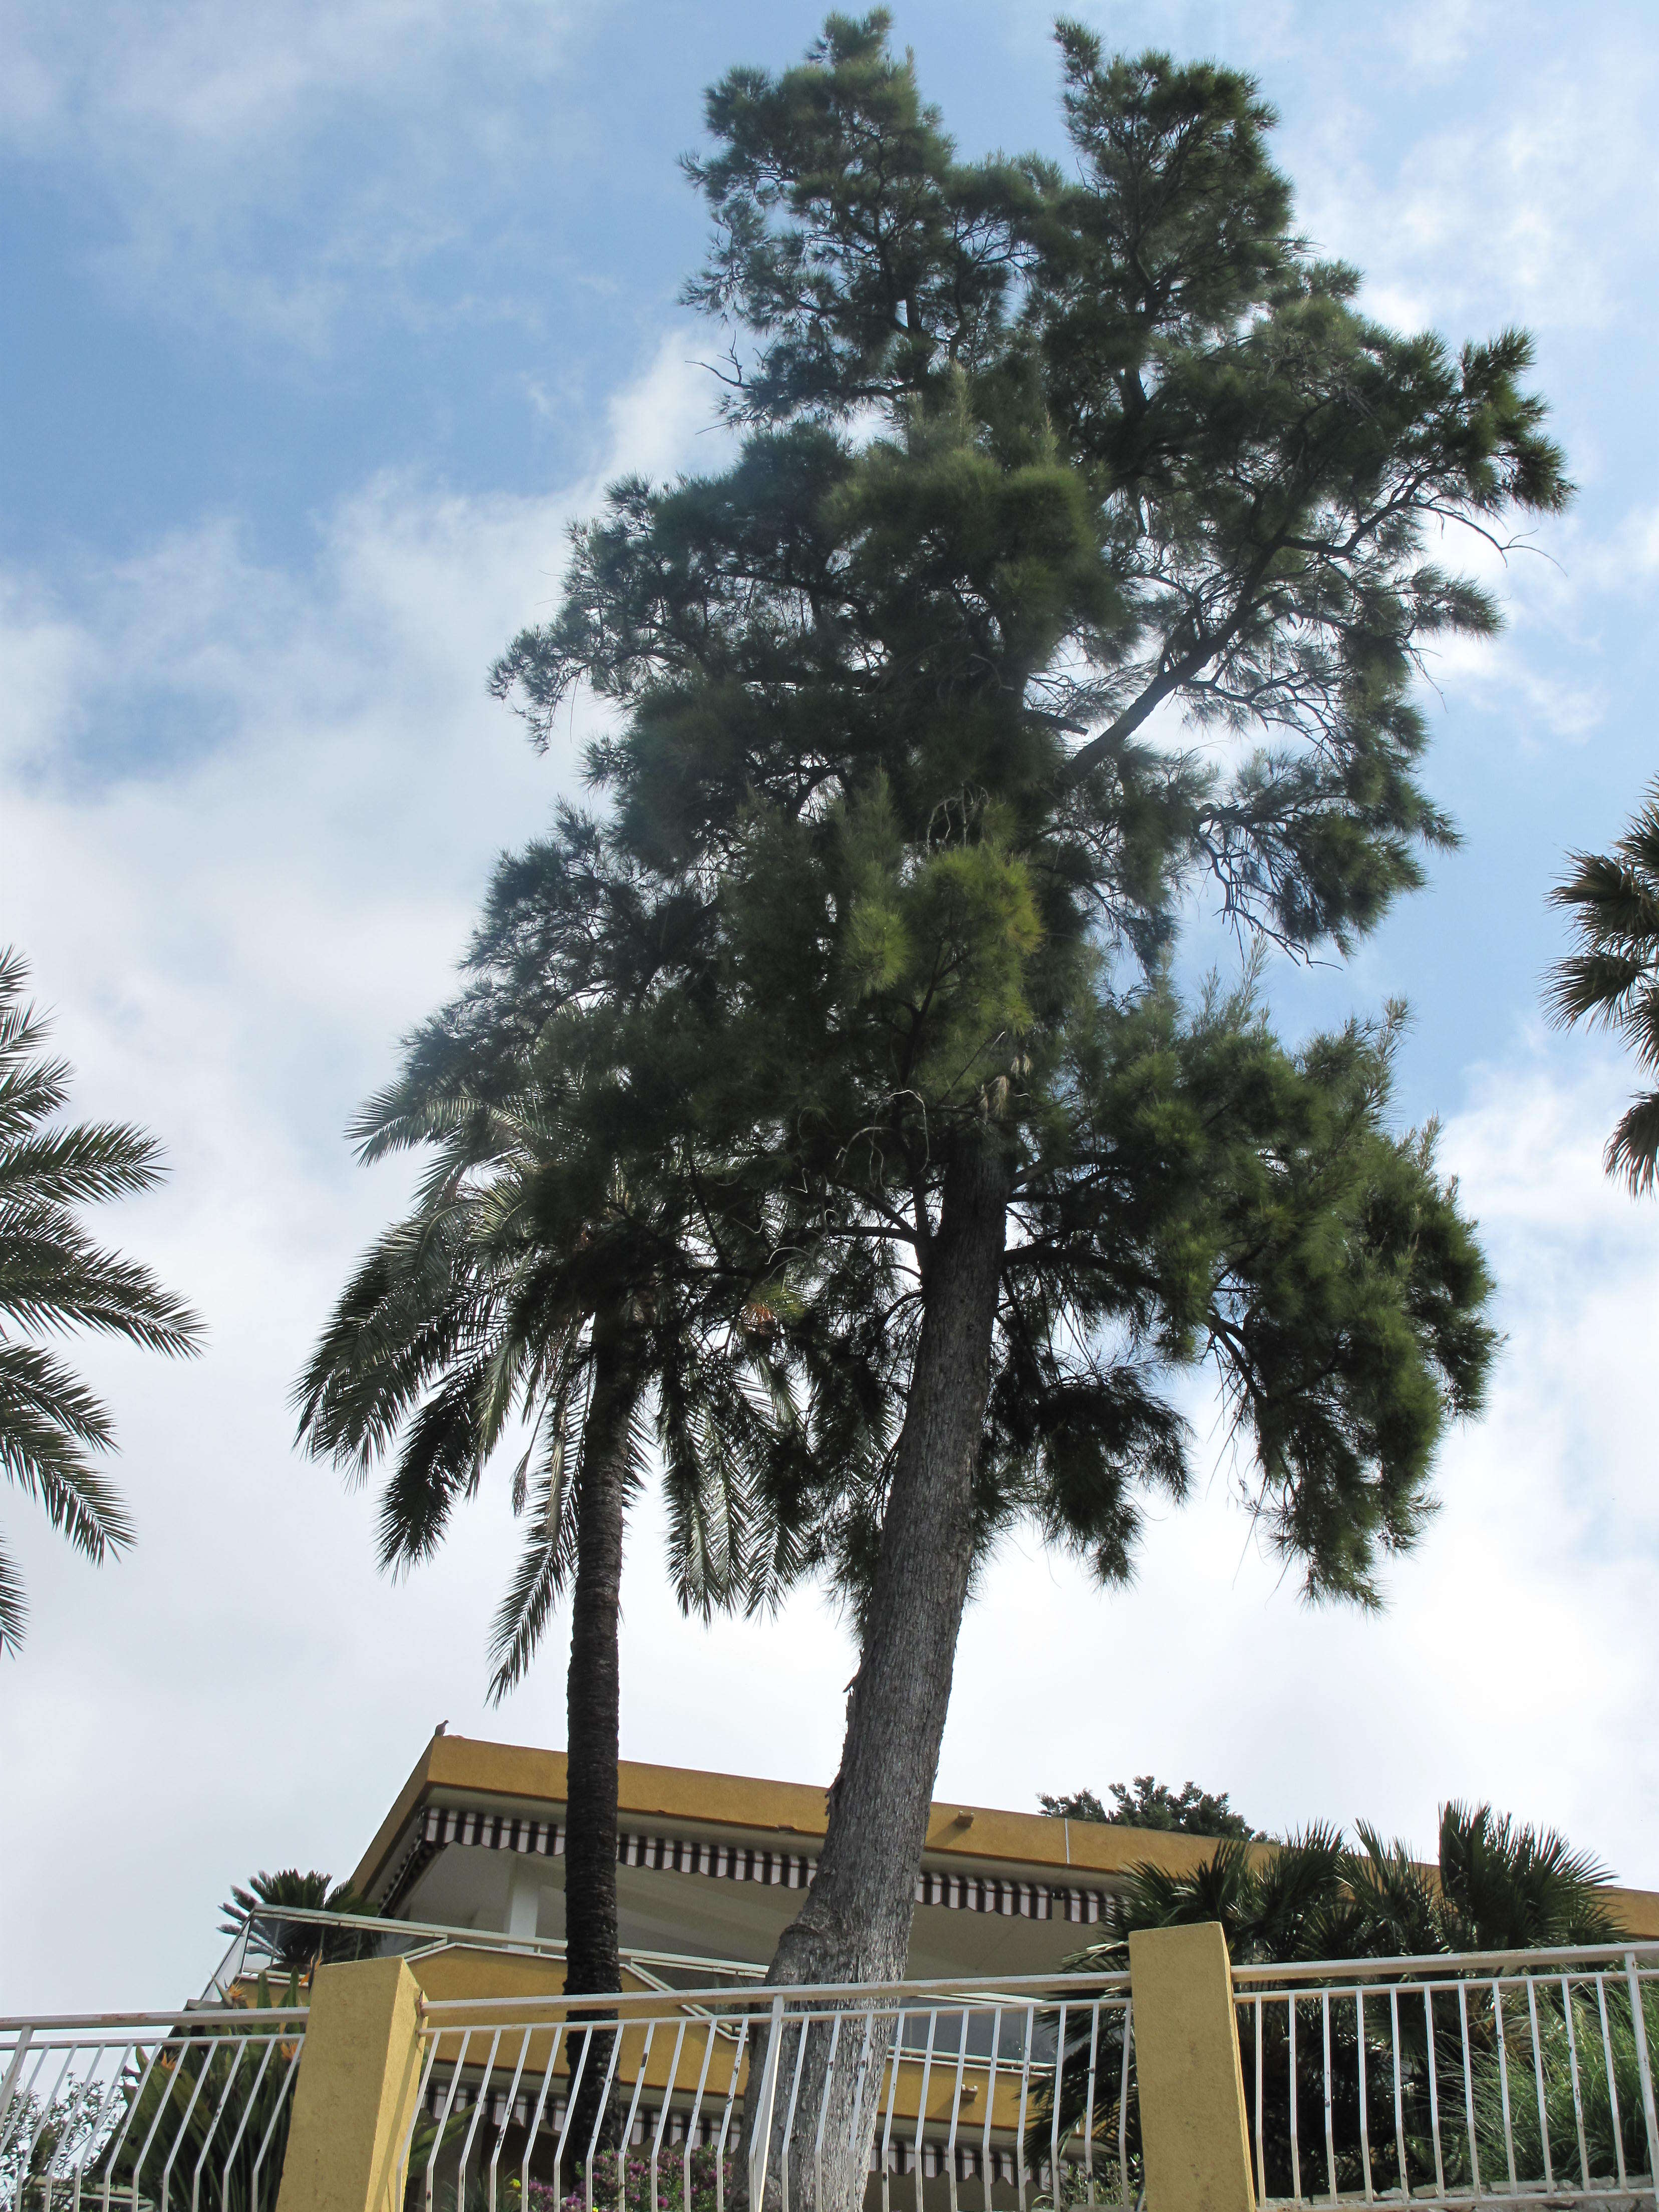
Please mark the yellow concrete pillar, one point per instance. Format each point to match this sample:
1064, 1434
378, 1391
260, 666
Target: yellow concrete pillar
1195, 2131
360, 2075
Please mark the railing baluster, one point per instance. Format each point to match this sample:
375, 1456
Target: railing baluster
270, 2125
1537, 2078
726, 2117
479, 2103
443, 2121
662, 2117
1123, 2099
921, 2100
602, 2104
213, 2127
1469, 2085
1364, 2114
955, 2108
1053, 2110
990, 2106
1024, 2092
1639, 2028
693, 2120
1089, 2107
1577, 2095
824, 2112
787, 2131
8, 2085
1612, 2083
1296, 2132
507, 2117
1261, 2137
1504, 2078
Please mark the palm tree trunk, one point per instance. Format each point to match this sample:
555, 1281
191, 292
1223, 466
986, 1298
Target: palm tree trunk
594, 1701
855, 1924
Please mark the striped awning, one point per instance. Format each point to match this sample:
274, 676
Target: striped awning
443, 1825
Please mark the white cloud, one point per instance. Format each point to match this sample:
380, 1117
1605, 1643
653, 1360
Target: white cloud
186, 74
235, 919
1532, 206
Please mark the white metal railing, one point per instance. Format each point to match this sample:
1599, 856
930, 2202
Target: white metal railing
278, 1938
1459, 2079
1004, 2086
161, 2110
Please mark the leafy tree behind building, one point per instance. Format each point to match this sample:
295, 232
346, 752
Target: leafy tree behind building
1148, 1803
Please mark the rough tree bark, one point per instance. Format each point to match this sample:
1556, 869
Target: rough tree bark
855, 1924
593, 1704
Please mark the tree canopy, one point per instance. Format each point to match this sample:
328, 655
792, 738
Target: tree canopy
1073, 566
1149, 1803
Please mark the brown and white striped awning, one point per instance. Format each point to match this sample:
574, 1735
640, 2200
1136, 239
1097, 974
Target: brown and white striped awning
963, 1892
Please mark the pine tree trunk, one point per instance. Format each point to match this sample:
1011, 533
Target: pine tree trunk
594, 1708
855, 1924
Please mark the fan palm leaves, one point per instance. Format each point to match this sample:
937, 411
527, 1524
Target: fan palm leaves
295, 1946
1498, 1886
53, 1278
1613, 977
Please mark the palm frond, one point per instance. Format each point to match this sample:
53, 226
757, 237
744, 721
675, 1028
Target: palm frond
1593, 986
545, 1566
1633, 1149
48, 1421
53, 1278
93, 1161
14, 1606
439, 1462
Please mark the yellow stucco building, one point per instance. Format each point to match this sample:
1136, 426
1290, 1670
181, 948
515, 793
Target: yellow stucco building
711, 1866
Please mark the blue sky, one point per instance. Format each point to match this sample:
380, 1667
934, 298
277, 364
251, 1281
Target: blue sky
322, 321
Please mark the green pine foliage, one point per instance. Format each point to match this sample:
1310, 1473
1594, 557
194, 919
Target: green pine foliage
1034, 461
1149, 1803
53, 1278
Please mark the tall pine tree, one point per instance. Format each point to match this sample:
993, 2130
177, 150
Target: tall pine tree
1072, 563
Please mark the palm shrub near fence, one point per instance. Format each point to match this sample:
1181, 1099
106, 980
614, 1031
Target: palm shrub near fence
1590, 2102
1499, 1886
225, 2098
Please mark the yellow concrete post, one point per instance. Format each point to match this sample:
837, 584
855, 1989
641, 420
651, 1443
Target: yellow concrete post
1194, 2132
360, 2075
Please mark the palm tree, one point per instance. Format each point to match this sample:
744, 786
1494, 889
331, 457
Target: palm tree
296, 1946
538, 1286
53, 1278
1498, 1886
1613, 978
